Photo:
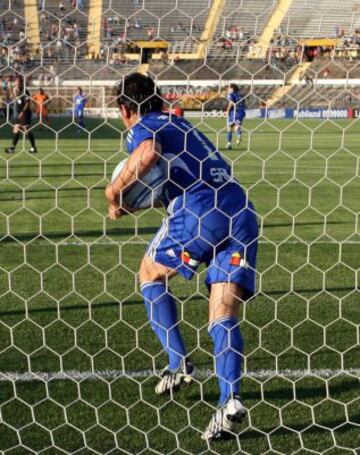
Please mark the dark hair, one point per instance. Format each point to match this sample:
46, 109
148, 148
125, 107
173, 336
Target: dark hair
139, 94
234, 87
21, 80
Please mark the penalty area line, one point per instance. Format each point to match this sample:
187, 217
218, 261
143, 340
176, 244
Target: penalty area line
77, 375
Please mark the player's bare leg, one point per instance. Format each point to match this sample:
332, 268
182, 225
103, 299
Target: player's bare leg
224, 303
161, 311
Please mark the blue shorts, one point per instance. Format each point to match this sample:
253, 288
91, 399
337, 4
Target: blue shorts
196, 232
237, 120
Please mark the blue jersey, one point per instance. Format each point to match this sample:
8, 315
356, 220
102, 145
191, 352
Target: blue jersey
210, 221
238, 111
79, 103
191, 161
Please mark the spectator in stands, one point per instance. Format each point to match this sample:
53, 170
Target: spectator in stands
2, 103
326, 73
122, 37
54, 30
58, 49
109, 32
77, 31
150, 33
308, 79
164, 57
80, 4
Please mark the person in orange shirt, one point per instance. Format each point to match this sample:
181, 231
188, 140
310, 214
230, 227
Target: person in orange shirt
41, 100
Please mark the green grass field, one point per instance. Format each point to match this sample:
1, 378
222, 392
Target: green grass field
70, 302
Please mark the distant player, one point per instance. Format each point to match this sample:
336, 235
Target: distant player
209, 221
236, 111
41, 100
23, 116
79, 107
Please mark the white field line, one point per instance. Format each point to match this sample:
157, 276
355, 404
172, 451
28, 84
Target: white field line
200, 374
145, 242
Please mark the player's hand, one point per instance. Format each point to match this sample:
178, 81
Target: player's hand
115, 211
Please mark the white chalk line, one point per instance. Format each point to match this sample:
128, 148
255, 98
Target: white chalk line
145, 242
76, 375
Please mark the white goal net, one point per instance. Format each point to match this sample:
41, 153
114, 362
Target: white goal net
78, 359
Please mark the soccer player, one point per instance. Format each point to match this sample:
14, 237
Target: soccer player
23, 116
235, 114
210, 220
41, 100
79, 107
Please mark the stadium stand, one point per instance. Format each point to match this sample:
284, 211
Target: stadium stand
212, 67
14, 50
12, 24
323, 18
249, 17
171, 21
308, 96
63, 31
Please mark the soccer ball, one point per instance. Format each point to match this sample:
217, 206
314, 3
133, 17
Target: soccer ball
145, 193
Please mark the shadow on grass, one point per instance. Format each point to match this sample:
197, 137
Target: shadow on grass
64, 235
125, 303
286, 394
307, 223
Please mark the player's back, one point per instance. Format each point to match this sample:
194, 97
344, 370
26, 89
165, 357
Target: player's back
80, 102
23, 104
190, 160
238, 100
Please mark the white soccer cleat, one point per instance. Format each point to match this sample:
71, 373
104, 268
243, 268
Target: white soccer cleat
171, 381
224, 419
228, 146
238, 141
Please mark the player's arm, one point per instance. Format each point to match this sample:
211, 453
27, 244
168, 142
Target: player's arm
230, 105
144, 157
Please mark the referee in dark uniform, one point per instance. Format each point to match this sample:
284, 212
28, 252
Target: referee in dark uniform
23, 119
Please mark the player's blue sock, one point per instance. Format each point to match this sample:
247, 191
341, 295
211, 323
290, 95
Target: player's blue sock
228, 347
239, 132
161, 312
229, 136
